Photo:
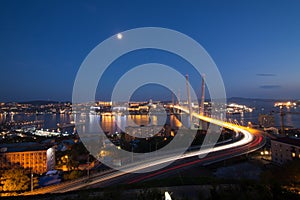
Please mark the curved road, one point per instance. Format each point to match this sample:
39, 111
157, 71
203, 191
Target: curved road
251, 141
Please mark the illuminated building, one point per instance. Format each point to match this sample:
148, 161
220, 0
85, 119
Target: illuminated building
286, 104
104, 103
285, 149
138, 107
30, 155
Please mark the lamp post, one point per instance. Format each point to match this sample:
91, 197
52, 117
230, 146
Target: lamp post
88, 162
31, 180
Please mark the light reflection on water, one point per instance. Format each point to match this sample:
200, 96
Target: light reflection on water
290, 119
109, 123
118, 123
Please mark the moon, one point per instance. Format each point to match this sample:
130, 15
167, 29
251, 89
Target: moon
119, 36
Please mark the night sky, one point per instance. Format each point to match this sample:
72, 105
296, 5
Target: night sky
255, 44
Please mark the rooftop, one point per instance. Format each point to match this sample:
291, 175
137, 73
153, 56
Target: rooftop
22, 147
287, 140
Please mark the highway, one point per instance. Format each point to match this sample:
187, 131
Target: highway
252, 140
209, 159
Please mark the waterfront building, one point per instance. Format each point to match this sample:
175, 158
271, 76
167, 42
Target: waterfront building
32, 156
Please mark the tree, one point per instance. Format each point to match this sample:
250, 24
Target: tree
15, 180
72, 175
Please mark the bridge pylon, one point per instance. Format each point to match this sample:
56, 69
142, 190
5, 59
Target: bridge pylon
189, 100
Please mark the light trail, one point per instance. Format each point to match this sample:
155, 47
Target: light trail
247, 144
247, 139
210, 159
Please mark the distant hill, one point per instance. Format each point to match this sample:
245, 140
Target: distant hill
259, 104
242, 99
39, 102
257, 99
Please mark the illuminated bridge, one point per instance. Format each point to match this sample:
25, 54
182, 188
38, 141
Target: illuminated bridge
252, 140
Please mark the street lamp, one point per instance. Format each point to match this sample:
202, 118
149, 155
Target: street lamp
31, 180
262, 154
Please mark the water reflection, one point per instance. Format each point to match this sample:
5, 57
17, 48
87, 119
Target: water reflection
108, 123
2, 118
139, 120
117, 123
289, 120
111, 124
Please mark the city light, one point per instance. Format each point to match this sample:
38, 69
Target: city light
122, 100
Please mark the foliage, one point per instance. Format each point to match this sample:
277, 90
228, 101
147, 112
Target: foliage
71, 158
35, 182
73, 175
15, 180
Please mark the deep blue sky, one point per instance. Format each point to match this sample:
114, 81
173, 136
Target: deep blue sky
255, 44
